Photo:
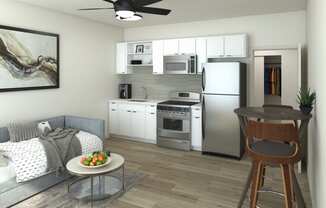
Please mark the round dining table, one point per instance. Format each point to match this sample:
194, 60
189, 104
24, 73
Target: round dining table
274, 114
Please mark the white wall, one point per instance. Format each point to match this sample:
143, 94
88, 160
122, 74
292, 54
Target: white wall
265, 31
87, 66
316, 30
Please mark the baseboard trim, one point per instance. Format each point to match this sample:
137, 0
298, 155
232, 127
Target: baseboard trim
133, 139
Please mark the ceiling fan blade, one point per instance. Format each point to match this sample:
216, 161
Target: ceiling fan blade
145, 2
152, 10
90, 9
109, 1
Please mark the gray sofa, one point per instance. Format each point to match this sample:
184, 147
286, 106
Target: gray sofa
12, 193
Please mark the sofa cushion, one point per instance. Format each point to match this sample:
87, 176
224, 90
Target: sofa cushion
4, 134
22, 131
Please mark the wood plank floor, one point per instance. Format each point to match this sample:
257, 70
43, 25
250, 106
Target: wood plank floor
176, 179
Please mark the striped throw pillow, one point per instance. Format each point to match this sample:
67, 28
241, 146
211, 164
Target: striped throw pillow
22, 131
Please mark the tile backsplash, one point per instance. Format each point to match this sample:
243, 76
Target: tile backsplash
159, 86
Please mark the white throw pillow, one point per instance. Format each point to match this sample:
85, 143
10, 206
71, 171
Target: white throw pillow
43, 126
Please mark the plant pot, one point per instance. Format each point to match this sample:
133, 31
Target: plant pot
305, 109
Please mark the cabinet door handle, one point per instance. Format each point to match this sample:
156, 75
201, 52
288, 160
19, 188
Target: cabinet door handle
197, 117
134, 111
129, 111
152, 113
152, 105
113, 103
113, 109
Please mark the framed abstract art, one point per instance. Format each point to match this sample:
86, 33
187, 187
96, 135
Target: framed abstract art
29, 60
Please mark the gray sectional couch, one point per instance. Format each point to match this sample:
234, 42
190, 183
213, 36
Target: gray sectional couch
12, 193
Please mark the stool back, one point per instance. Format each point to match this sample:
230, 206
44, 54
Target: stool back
275, 132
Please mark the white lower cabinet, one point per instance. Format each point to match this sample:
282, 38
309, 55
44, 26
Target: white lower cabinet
135, 121
114, 118
150, 124
124, 119
196, 128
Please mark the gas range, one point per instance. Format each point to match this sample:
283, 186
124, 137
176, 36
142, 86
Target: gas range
174, 120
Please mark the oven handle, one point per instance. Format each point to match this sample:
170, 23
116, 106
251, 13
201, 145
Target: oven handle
172, 131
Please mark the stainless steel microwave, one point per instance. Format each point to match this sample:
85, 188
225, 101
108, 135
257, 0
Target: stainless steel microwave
180, 64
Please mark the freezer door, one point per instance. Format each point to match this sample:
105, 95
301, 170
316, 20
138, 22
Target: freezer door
221, 130
221, 78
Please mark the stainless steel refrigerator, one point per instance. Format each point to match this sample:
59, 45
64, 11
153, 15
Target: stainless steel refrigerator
224, 88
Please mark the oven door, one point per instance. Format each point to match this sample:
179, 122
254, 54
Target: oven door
174, 126
176, 64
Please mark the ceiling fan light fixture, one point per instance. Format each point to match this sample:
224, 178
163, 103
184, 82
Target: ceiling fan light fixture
135, 17
125, 13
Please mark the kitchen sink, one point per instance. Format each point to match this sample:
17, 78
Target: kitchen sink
138, 100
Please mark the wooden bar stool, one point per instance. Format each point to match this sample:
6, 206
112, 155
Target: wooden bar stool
272, 144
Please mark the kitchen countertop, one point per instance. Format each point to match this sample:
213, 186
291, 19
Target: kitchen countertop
148, 101
196, 106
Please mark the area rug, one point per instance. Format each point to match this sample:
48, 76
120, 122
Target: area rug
58, 196
12, 192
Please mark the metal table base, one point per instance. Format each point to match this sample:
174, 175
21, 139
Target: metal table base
95, 188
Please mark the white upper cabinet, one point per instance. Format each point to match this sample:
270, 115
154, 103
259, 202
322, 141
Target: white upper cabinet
201, 53
171, 47
187, 46
215, 47
157, 50
180, 46
236, 46
121, 59
229, 46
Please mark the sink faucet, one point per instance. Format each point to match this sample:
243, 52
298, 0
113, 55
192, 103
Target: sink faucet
145, 92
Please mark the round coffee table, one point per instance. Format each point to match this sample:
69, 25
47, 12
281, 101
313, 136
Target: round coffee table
95, 184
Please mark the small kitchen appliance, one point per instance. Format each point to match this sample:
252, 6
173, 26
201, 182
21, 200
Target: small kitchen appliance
180, 64
125, 91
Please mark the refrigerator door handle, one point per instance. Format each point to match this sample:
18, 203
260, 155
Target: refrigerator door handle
203, 118
203, 79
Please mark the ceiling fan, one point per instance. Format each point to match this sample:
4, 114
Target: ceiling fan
126, 10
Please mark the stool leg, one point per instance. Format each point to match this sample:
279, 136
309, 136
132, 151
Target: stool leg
263, 174
287, 185
256, 177
292, 174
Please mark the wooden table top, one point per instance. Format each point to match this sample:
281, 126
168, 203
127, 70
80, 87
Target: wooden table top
272, 113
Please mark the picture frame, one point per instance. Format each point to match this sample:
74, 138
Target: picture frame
29, 59
139, 49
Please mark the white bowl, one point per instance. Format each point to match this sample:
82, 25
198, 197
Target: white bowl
108, 161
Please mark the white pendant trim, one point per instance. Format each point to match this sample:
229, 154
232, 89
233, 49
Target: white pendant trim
135, 17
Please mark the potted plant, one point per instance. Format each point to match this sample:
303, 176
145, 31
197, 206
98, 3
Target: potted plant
306, 99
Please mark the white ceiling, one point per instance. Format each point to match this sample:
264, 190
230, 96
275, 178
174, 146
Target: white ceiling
182, 10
